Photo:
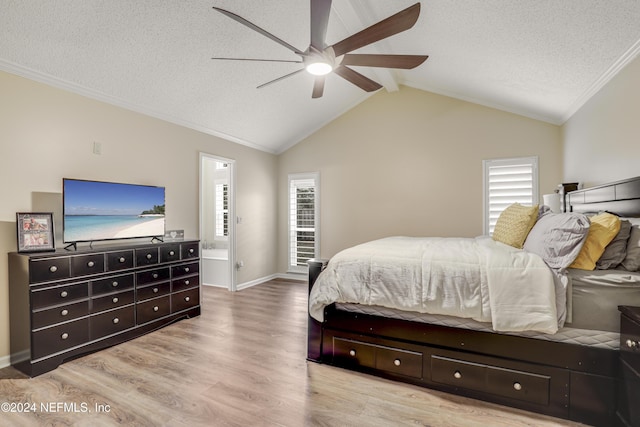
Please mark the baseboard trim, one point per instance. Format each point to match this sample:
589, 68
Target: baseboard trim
283, 276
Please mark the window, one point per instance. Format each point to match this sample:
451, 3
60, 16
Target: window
303, 220
508, 181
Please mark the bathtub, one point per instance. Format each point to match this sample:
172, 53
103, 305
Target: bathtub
215, 267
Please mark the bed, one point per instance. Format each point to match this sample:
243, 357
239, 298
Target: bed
571, 372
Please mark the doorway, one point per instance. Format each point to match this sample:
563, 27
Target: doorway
217, 225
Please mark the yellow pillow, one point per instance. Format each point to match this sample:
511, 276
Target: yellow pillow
604, 227
514, 224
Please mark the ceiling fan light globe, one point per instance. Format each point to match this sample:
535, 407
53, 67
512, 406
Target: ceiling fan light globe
319, 68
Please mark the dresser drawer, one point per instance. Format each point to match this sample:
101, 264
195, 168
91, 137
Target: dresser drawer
108, 302
60, 337
57, 295
153, 309
518, 385
402, 362
628, 395
458, 373
189, 250
146, 256
153, 291
185, 300
63, 313
184, 283
112, 284
119, 260
630, 342
170, 252
83, 265
151, 276
47, 269
352, 353
111, 322
185, 269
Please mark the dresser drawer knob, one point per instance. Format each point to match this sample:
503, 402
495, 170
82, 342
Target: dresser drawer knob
121, 259
186, 269
457, 375
53, 269
397, 362
64, 336
155, 275
352, 353
149, 256
116, 320
64, 294
517, 386
114, 284
632, 344
64, 312
171, 253
91, 264
187, 299
115, 300
186, 282
156, 290
191, 251
156, 308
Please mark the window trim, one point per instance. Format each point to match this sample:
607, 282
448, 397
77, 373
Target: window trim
315, 176
513, 161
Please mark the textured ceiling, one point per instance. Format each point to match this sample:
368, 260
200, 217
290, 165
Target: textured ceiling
538, 58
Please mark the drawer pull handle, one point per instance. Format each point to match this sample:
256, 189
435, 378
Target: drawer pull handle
64, 312
397, 362
115, 300
116, 320
457, 375
155, 290
91, 264
64, 336
171, 253
156, 308
187, 299
53, 269
122, 259
114, 284
149, 256
155, 275
64, 294
632, 344
186, 282
352, 353
191, 251
186, 269
517, 386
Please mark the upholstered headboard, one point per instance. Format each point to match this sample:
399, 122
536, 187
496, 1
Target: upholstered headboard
621, 198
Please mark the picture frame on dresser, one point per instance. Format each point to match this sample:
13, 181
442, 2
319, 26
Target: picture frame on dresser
35, 232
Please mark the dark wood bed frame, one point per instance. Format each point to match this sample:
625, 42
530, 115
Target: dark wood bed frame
569, 381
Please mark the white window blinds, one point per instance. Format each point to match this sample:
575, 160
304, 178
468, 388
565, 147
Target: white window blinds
222, 210
508, 181
303, 220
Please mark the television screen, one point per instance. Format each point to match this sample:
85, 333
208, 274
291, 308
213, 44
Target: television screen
94, 210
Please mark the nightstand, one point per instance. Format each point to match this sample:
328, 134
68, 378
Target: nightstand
629, 396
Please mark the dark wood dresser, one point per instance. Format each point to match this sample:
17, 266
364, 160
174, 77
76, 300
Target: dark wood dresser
629, 396
68, 303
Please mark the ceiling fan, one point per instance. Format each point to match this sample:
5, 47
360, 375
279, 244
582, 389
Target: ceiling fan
320, 59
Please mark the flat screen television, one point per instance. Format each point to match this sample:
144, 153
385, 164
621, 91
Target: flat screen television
95, 210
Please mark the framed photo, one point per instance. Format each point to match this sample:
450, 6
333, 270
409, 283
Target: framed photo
35, 232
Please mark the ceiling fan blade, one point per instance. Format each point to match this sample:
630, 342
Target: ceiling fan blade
364, 83
388, 61
318, 87
257, 59
280, 78
394, 24
258, 29
319, 20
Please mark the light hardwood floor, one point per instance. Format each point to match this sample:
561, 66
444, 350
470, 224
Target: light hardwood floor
241, 363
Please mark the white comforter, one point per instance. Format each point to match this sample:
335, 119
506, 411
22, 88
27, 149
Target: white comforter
475, 278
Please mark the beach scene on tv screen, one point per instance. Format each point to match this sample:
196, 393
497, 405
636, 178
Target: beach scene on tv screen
103, 210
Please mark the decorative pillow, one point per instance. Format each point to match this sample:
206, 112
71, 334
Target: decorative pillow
558, 238
514, 224
632, 259
615, 251
604, 227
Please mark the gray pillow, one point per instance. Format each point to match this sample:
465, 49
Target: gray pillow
558, 238
615, 251
632, 259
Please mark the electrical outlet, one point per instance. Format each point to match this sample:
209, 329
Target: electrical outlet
97, 148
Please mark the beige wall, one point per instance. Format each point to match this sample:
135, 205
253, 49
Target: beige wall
602, 139
410, 163
47, 134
